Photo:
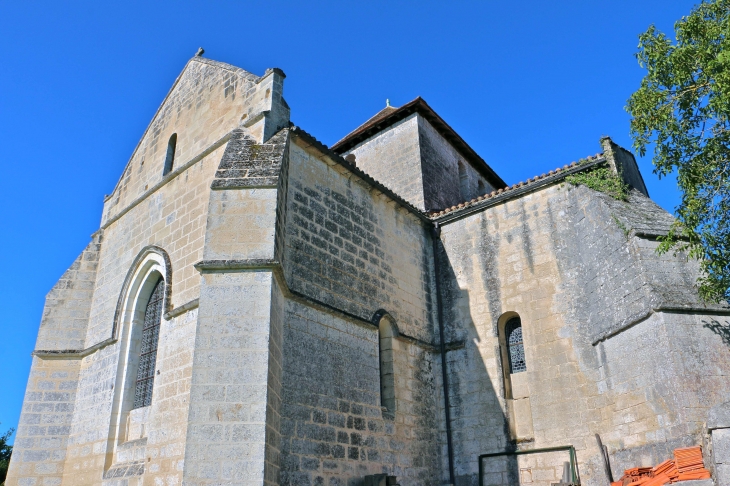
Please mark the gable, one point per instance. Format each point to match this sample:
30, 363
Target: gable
207, 101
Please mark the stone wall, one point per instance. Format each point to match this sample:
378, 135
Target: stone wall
659, 387
448, 178
334, 430
42, 437
417, 163
203, 107
206, 102
66, 312
393, 157
354, 250
563, 260
350, 252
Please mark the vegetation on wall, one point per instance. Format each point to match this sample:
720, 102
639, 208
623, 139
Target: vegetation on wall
683, 109
601, 179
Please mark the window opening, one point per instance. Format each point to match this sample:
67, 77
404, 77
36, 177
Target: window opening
515, 346
387, 373
148, 350
170, 157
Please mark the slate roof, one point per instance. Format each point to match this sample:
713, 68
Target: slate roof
391, 115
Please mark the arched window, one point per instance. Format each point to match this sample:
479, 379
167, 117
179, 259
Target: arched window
515, 346
170, 157
387, 373
148, 348
142, 303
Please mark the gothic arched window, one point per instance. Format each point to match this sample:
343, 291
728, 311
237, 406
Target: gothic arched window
148, 348
515, 346
170, 157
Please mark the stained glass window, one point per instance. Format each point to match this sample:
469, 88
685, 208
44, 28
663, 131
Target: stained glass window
515, 347
148, 350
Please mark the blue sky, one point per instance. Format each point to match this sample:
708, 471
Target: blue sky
530, 85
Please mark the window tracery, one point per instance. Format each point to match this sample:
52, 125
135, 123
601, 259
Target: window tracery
515, 346
148, 348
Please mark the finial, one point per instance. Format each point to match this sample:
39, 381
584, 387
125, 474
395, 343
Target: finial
200, 52
387, 102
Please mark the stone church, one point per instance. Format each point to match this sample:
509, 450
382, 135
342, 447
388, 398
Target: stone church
259, 308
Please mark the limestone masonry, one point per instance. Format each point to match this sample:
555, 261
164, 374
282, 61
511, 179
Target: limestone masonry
384, 310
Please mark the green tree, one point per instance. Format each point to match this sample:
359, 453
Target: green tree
5, 451
683, 109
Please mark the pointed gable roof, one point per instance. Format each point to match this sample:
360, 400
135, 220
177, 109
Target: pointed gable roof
389, 116
195, 59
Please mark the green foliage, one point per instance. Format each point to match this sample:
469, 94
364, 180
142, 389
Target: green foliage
601, 179
5, 451
683, 109
626, 231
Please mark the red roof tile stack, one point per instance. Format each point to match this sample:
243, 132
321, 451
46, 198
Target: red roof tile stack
689, 464
686, 465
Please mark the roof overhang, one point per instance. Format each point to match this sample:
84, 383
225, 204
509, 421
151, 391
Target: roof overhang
379, 123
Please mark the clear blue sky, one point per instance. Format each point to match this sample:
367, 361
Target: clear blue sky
531, 85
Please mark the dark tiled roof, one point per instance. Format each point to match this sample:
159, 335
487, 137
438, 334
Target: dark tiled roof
390, 116
368, 124
521, 187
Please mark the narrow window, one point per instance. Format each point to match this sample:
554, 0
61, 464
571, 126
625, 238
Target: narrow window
148, 348
387, 374
515, 347
170, 157
480, 187
463, 183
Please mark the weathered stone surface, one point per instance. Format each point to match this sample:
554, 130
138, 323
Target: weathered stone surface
246, 163
420, 165
281, 262
66, 313
719, 417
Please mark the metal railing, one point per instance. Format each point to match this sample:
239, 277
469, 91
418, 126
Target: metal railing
573, 460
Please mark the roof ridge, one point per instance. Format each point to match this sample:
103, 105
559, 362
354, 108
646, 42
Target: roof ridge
530, 182
369, 122
203, 60
228, 67
419, 105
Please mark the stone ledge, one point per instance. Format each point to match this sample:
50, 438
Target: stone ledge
71, 353
193, 304
257, 183
206, 266
125, 471
169, 177
642, 316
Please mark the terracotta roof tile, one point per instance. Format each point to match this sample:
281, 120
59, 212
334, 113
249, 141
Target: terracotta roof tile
531, 181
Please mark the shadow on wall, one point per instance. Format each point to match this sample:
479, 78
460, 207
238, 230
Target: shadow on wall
479, 422
722, 330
